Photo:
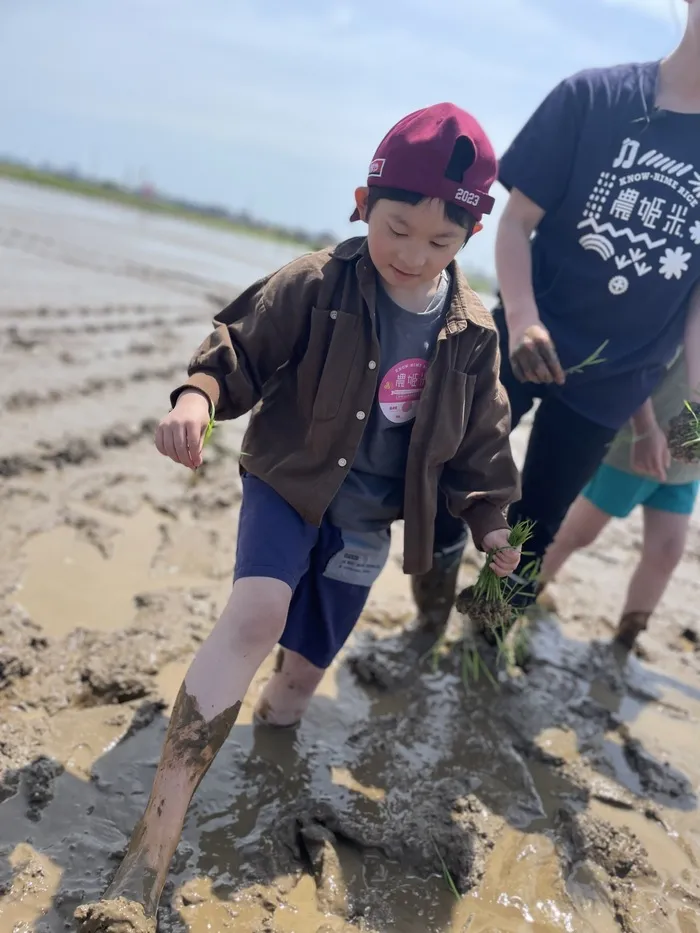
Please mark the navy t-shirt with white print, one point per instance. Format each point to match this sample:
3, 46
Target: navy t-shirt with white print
617, 253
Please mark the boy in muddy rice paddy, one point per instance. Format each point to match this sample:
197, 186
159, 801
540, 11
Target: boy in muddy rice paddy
638, 471
598, 249
372, 373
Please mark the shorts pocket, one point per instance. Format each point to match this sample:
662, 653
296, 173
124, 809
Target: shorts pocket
361, 558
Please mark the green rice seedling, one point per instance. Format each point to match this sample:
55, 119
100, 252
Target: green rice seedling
473, 665
488, 602
513, 648
595, 359
449, 880
684, 434
209, 431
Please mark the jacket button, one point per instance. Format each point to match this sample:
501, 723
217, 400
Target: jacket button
342, 462
372, 364
360, 416
334, 315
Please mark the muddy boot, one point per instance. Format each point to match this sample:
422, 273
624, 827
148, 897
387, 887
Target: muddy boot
389, 663
434, 595
630, 626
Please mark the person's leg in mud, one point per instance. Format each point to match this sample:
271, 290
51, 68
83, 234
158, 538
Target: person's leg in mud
583, 523
324, 610
268, 568
564, 451
666, 522
434, 592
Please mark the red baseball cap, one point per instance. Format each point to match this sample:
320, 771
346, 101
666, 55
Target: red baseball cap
438, 152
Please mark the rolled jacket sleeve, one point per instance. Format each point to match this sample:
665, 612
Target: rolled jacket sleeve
482, 480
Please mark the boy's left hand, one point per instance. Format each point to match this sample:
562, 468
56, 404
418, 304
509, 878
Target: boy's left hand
505, 557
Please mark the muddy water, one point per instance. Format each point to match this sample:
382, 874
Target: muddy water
563, 798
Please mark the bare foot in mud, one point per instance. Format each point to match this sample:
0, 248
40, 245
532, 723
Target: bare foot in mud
117, 915
130, 903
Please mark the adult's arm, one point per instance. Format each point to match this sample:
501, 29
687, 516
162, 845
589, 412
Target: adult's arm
536, 169
532, 353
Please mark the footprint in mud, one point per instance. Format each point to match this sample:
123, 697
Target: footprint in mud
457, 770
115, 916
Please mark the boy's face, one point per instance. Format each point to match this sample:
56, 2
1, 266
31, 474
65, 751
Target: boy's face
409, 244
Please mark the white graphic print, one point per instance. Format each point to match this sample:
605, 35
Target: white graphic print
628, 153
676, 218
632, 237
633, 257
627, 222
674, 263
618, 285
624, 203
651, 211
597, 199
599, 244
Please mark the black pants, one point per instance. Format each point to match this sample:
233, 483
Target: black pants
564, 451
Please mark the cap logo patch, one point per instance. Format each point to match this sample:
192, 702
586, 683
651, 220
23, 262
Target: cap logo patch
376, 167
468, 197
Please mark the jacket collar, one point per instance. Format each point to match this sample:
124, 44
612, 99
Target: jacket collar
465, 305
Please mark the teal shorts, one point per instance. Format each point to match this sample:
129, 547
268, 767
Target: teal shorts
617, 493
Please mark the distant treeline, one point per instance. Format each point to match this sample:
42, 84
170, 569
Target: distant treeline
147, 197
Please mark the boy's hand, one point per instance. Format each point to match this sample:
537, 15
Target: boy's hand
533, 357
650, 454
181, 433
505, 558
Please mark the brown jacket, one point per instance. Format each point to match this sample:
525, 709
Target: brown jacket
300, 347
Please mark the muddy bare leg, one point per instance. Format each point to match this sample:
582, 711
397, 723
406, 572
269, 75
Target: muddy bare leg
204, 712
582, 525
665, 535
288, 692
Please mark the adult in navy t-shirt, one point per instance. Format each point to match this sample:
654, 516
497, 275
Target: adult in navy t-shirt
614, 182
617, 253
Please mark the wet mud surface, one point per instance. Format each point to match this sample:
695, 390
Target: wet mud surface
556, 793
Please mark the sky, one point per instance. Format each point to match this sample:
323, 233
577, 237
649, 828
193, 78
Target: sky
276, 106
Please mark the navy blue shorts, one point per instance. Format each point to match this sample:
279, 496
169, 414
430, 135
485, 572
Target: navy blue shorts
329, 571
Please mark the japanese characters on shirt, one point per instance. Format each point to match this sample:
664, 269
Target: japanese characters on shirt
642, 216
401, 389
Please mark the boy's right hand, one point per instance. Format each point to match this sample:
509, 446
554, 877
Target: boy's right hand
533, 357
180, 434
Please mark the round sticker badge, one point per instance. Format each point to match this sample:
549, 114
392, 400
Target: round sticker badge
401, 389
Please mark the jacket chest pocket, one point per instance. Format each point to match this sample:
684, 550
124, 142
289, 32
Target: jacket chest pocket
451, 417
324, 371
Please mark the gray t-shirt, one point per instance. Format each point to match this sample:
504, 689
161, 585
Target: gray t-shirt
668, 400
371, 497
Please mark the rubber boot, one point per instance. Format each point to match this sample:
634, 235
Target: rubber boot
630, 626
434, 595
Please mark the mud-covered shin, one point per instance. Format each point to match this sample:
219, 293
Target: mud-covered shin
191, 744
630, 627
434, 595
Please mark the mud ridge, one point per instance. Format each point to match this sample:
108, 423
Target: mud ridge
26, 401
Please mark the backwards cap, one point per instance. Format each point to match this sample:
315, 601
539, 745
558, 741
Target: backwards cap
438, 152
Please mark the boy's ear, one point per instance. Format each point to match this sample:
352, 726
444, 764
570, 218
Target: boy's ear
361, 195
478, 227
